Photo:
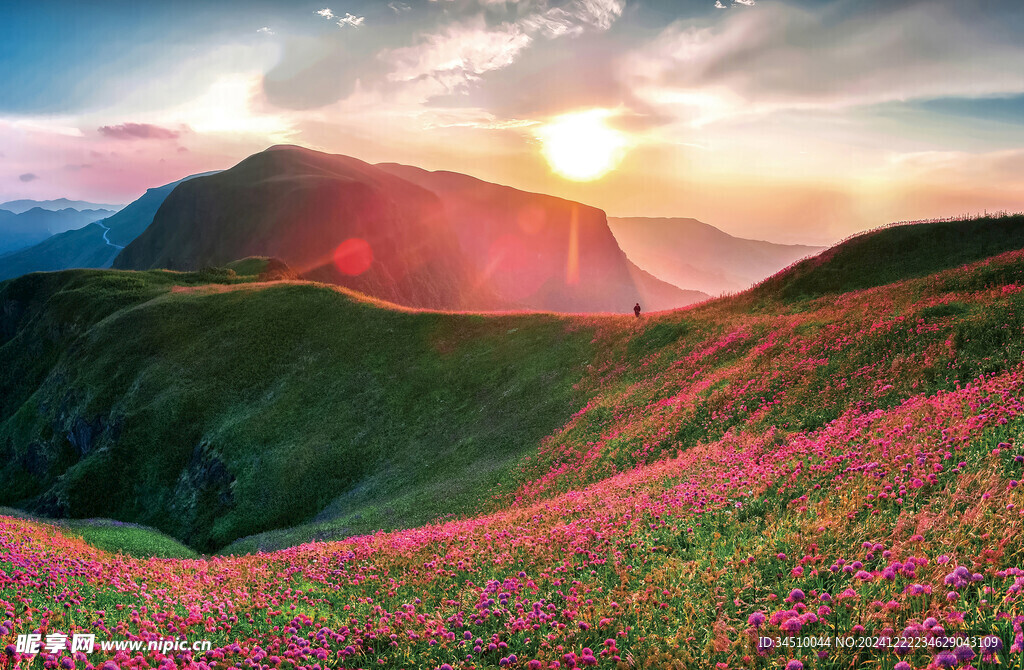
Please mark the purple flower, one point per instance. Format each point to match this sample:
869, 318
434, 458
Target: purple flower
964, 653
945, 659
756, 619
796, 595
794, 665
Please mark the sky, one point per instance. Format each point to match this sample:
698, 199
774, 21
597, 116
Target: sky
788, 120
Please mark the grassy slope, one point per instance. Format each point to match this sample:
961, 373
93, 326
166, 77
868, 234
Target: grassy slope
892, 254
218, 413
259, 391
672, 381
877, 439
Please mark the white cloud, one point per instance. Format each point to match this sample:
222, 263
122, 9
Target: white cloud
231, 106
599, 13
462, 52
265, 30
573, 18
326, 13
398, 7
555, 22
458, 55
748, 3
351, 20
719, 5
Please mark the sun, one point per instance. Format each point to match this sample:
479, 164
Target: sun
581, 146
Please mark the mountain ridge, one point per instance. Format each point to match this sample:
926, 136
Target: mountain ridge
19, 206
19, 231
307, 208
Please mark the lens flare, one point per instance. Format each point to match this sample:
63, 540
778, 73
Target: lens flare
581, 146
353, 256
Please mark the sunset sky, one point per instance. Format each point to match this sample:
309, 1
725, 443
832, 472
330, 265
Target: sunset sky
786, 120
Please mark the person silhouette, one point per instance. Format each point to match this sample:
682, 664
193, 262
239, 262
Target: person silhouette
636, 310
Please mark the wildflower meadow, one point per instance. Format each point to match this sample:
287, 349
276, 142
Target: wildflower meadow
831, 482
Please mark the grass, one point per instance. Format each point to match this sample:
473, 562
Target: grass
723, 463
239, 418
250, 265
218, 413
893, 254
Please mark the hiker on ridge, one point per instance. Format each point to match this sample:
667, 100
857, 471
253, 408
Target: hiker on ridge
636, 310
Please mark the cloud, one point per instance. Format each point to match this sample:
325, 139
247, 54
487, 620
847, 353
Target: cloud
960, 167
748, 3
555, 22
326, 13
265, 30
351, 20
573, 19
398, 7
138, 131
719, 5
28, 176
462, 52
599, 13
783, 56
459, 54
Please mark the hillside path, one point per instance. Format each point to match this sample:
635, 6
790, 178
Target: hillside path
106, 229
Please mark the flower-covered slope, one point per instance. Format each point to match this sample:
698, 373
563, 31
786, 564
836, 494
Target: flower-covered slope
846, 467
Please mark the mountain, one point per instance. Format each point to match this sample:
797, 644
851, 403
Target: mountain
541, 251
19, 206
330, 218
691, 254
30, 227
93, 246
438, 240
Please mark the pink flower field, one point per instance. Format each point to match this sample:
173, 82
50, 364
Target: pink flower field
750, 483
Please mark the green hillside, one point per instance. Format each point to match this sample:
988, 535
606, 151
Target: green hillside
891, 254
231, 412
850, 465
216, 410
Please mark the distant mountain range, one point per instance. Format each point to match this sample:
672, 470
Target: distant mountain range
436, 240
692, 254
19, 206
20, 230
93, 246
